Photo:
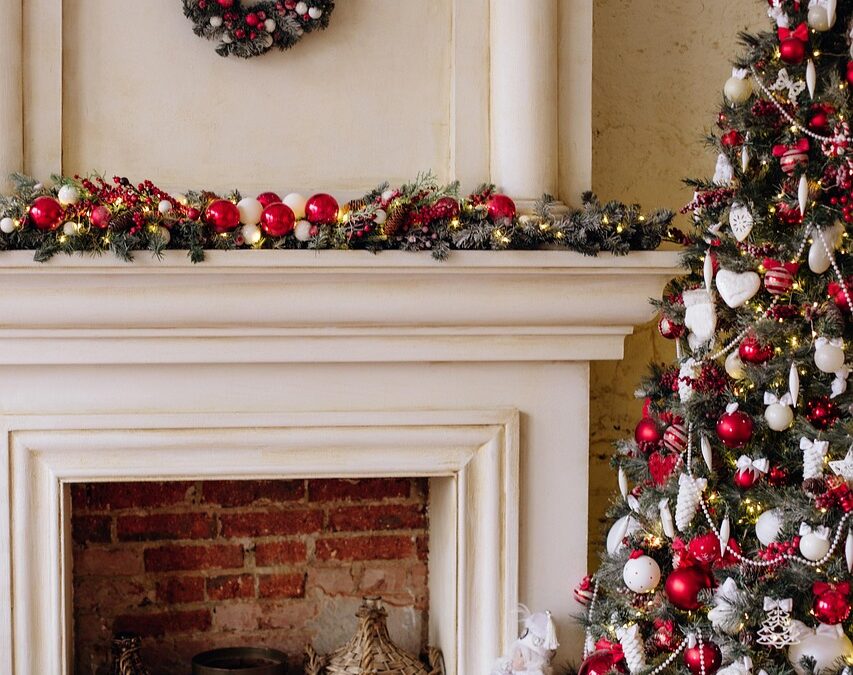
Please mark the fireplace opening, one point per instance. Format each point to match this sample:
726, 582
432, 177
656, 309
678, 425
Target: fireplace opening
197, 565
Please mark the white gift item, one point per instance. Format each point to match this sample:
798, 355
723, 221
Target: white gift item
700, 316
724, 615
740, 220
814, 543
829, 354
632, 646
735, 288
768, 525
724, 172
689, 494
641, 574
778, 414
813, 453
688, 372
825, 644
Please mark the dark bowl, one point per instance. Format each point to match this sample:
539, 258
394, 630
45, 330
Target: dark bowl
240, 660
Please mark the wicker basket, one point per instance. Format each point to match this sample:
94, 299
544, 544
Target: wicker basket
371, 652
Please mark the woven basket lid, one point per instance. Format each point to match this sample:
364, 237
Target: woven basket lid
370, 651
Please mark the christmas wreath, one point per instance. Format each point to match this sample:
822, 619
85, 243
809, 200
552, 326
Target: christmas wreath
252, 31
94, 215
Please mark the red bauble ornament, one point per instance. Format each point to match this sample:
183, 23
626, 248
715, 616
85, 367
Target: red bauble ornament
746, 478
850, 73
675, 438
704, 660
705, 548
819, 121
321, 209
100, 217
447, 207
193, 213
752, 351
277, 220
647, 432
664, 635
731, 139
777, 476
500, 207
831, 607
267, 198
46, 213
683, 586
734, 429
669, 329
227, 4
778, 281
821, 412
793, 43
222, 215
599, 663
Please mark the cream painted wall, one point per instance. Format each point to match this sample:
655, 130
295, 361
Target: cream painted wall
658, 69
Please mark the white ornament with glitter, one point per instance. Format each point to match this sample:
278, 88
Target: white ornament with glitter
689, 495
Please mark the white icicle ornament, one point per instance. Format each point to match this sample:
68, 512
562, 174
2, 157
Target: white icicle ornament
632, 647
624, 527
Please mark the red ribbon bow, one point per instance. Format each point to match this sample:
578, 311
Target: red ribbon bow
802, 145
800, 33
821, 587
614, 648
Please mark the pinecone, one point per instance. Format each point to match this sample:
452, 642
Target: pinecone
123, 220
395, 220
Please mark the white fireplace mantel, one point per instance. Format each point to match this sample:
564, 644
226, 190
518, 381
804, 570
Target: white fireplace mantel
473, 372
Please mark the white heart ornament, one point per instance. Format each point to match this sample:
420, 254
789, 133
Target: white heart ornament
740, 220
735, 288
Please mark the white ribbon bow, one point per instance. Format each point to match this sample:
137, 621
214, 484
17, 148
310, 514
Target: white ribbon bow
775, 603
771, 399
816, 446
824, 341
759, 465
784, 81
821, 531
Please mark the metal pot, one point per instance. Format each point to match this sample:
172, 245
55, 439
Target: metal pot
240, 661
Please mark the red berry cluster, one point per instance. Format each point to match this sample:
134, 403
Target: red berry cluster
712, 379
764, 108
778, 548
710, 199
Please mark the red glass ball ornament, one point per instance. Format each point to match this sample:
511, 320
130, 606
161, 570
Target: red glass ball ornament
222, 215
745, 478
752, 351
267, 198
277, 220
500, 207
792, 51
778, 281
850, 73
675, 438
647, 432
708, 655
100, 217
705, 548
448, 207
831, 607
819, 121
731, 139
670, 329
46, 213
252, 19
227, 4
599, 662
321, 209
734, 429
777, 476
683, 587
821, 412
193, 213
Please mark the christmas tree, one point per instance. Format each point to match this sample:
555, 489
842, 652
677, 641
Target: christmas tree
730, 548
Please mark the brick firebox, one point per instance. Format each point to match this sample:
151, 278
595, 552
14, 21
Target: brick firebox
193, 565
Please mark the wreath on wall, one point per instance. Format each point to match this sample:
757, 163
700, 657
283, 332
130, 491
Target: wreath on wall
252, 31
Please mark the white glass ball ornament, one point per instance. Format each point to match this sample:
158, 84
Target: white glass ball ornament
738, 90
296, 202
7, 226
315, 12
813, 547
767, 526
164, 206
387, 195
828, 357
819, 19
622, 528
216, 21
227, 39
68, 195
302, 230
269, 25
301, 7
779, 417
251, 233
641, 574
250, 210
734, 366
825, 645
380, 216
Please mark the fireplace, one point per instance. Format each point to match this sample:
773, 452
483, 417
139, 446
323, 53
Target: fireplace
469, 376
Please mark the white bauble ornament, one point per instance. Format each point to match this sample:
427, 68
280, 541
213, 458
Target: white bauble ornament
164, 206
813, 546
250, 210
734, 366
315, 12
68, 195
164, 235
269, 25
641, 574
819, 19
826, 644
779, 417
828, 355
623, 527
227, 39
738, 89
767, 526
387, 195
70, 228
819, 260
7, 226
301, 7
302, 230
296, 202
251, 233
380, 217
216, 21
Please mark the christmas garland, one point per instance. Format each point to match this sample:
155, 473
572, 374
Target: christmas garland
248, 32
93, 215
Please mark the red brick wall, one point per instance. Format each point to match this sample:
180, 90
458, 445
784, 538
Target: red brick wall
198, 565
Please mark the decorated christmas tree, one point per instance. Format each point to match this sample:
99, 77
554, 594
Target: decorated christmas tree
730, 547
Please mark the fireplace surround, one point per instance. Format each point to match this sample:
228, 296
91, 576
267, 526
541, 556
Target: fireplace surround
269, 365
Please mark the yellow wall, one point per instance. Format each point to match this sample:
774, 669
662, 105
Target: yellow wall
658, 69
